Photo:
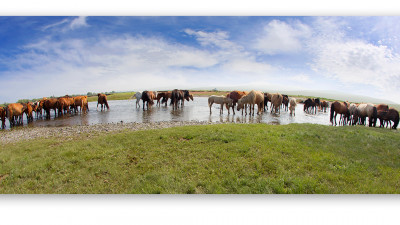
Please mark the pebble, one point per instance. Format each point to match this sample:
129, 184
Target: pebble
29, 133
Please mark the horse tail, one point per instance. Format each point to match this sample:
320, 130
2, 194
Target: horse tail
332, 112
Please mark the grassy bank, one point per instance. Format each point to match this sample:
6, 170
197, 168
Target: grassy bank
115, 96
227, 158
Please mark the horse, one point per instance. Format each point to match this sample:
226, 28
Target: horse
159, 96
222, 100
28, 111
324, 105
339, 108
138, 96
354, 113
382, 110
252, 98
267, 98
102, 100
235, 96
187, 95
176, 96
15, 111
370, 111
81, 101
285, 102
389, 116
309, 103
3, 117
49, 104
276, 101
63, 104
317, 103
166, 97
147, 98
292, 106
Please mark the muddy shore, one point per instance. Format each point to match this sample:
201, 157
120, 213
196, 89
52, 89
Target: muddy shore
28, 133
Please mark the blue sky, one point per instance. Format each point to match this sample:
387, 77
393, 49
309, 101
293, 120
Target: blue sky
44, 56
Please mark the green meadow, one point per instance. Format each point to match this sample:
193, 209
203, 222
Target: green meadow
224, 158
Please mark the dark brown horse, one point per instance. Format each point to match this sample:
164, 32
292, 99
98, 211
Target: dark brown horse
3, 117
310, 103
389, 116
382, 110
235, 96
267, 98
285, 102
147, 98
176, 96
102, 100
339, 108
49, 104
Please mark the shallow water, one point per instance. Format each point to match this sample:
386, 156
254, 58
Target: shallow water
126, 111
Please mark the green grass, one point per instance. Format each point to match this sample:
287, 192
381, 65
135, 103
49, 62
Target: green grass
227, 158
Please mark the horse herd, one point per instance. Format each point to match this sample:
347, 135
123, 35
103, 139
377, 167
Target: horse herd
350, 113
63, 105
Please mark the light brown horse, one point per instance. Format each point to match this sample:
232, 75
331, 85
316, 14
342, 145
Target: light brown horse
292, 106
3, 117
28, 111
222, 100
102, 100
370, 111
81, 101
276, 101
339, 108
15, 112
252, 98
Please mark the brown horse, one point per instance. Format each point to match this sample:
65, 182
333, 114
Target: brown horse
28, 111
160, 95
176, 96
382, 110
102, 100
235, 96
63, 104
81, 101
15, 112
389, 116
339, 108
324, 105
147, 98
267, 98
276, 101
167, 96
3, 117
49, 104
285, 102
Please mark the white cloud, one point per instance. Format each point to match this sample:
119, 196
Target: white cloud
78, 22
280, 37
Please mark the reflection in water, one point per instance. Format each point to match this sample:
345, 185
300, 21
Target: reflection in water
125, 110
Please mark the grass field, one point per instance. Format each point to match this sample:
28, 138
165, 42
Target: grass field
115, 96
226, 158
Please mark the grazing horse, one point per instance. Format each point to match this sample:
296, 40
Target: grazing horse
159, 96
138, 96
267, 98
15, 111
102, 100
292, 106
339, 108
3, 117
382, 110
147, 98
310, 103
187, 95
276, 102
63, 104
285, 102
324, 105
235, 96
370, 111
392, 115
49, 104
354, 113
222, 100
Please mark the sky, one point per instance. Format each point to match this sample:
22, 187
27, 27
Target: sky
43, 56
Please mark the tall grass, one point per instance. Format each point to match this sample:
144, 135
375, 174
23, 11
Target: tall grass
228, 158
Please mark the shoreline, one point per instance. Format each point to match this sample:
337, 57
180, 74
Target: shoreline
29, 133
